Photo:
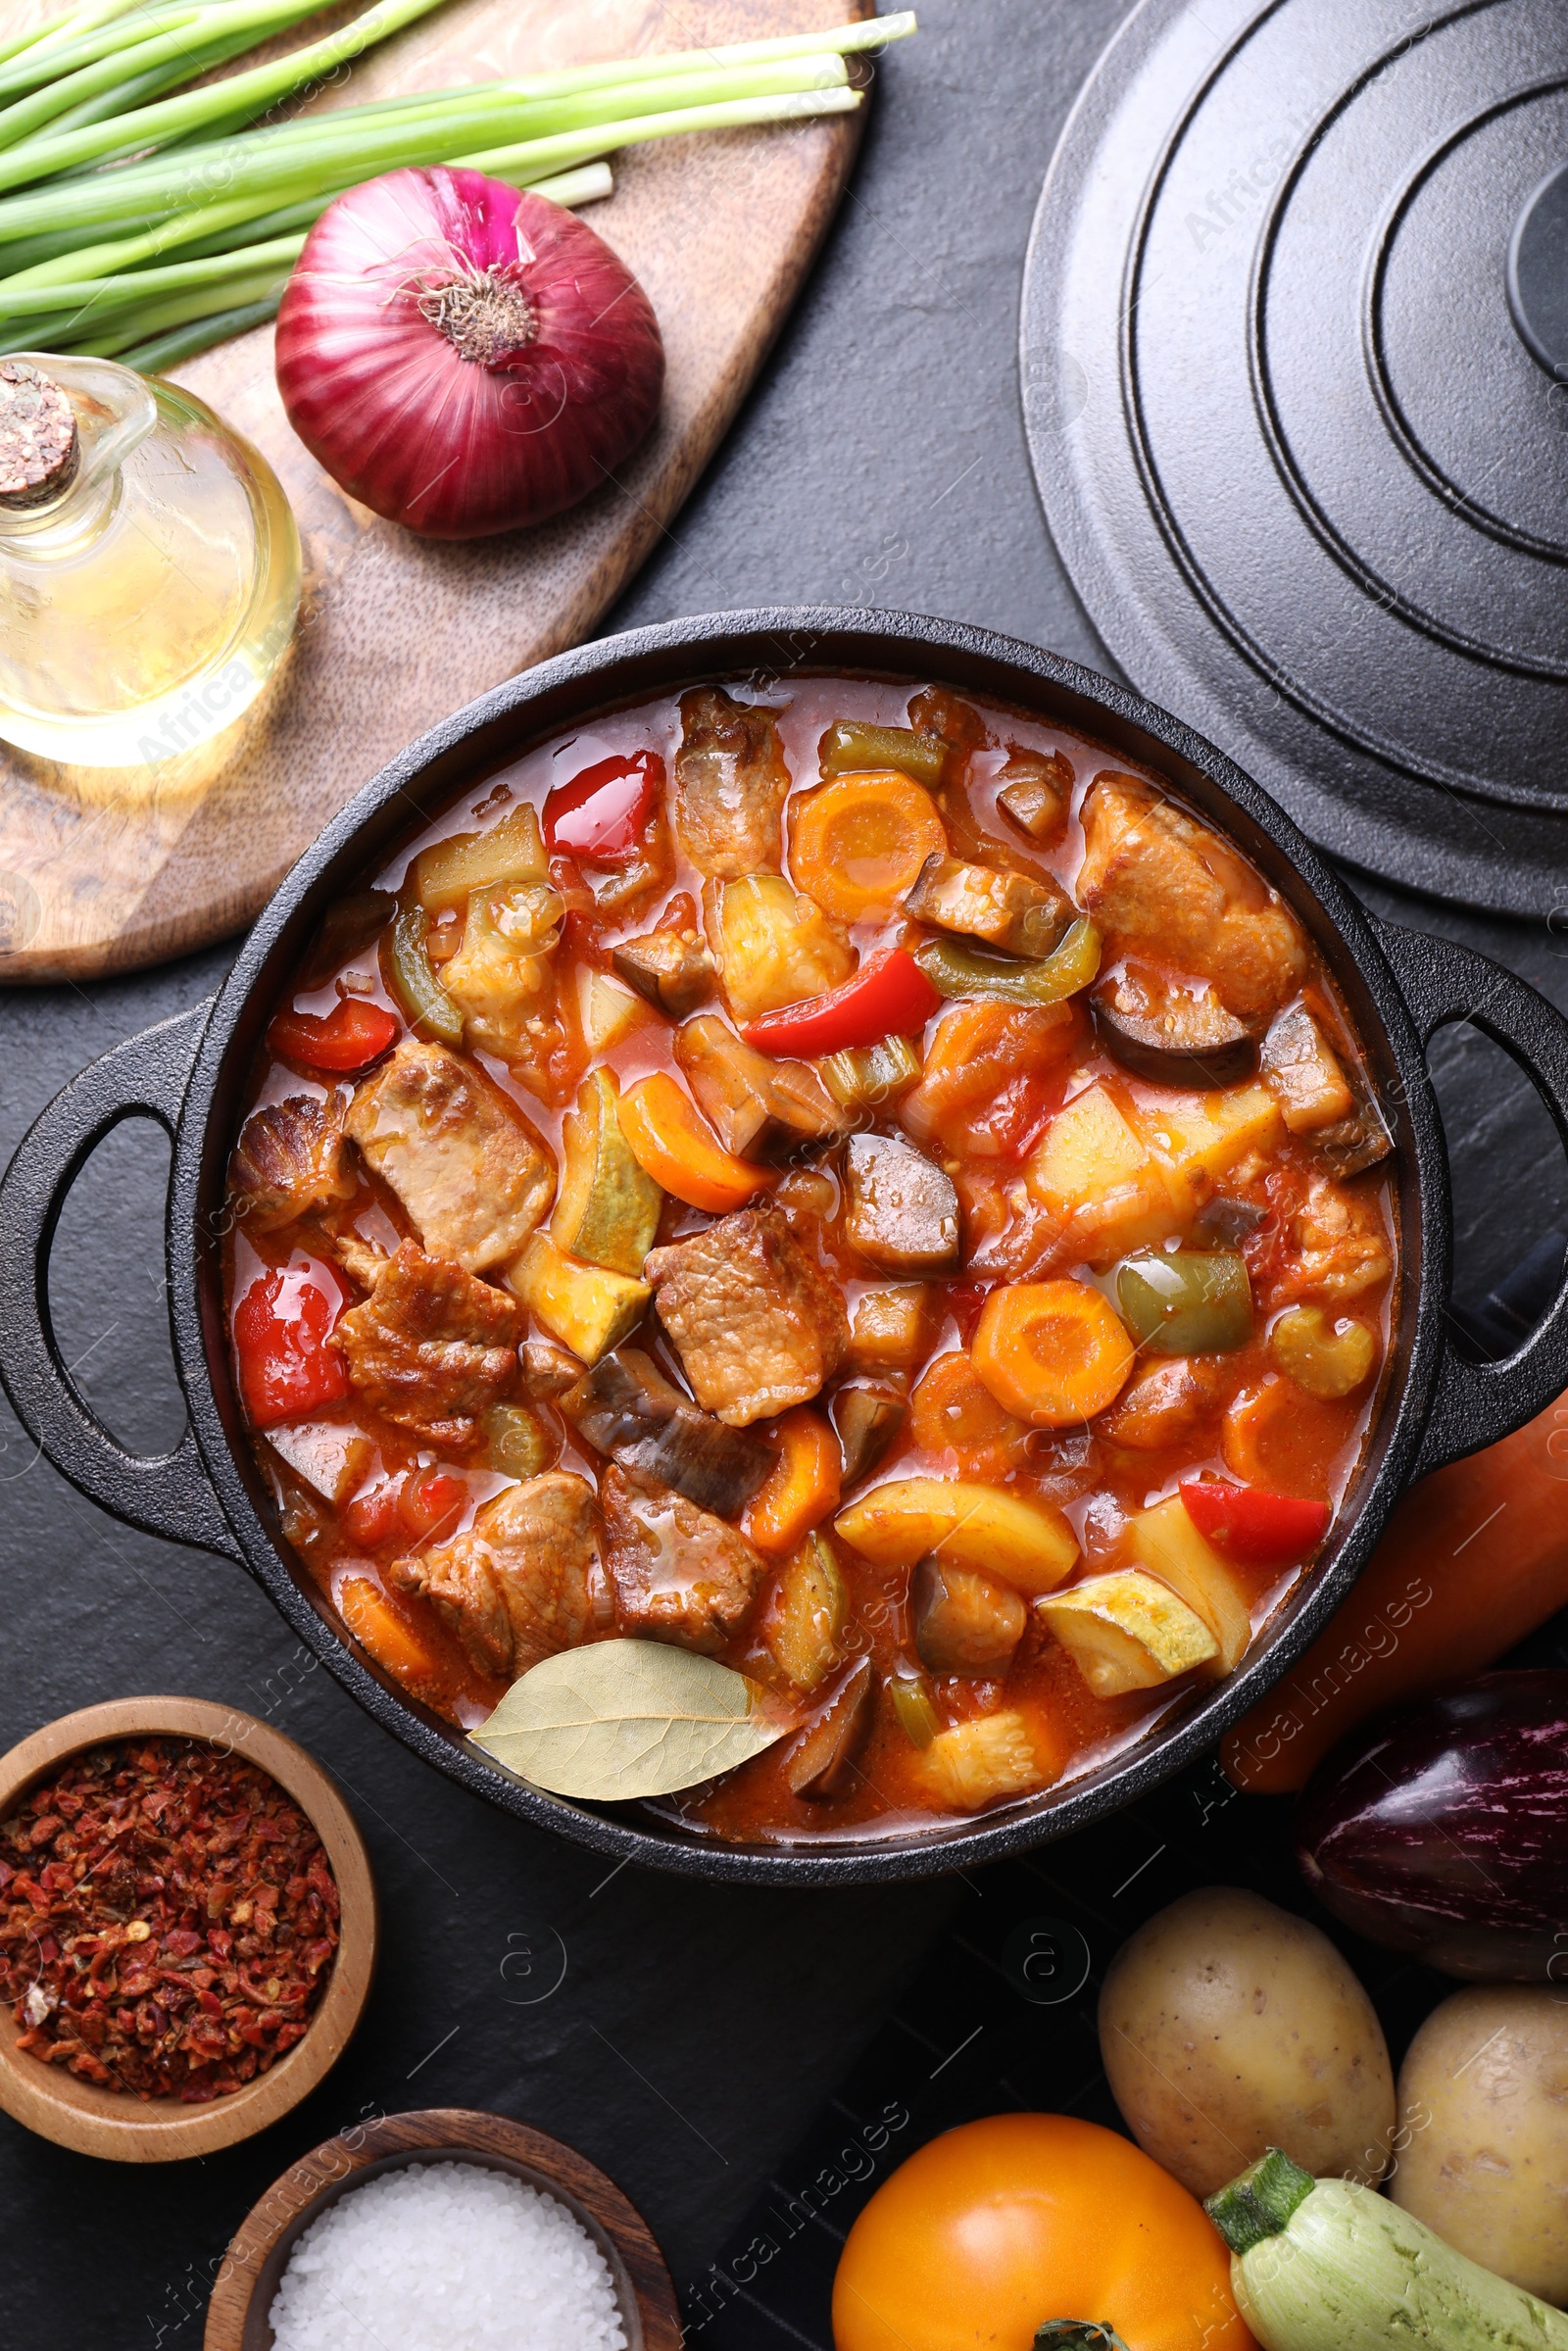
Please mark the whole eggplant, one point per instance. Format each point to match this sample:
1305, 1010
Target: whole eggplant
1441, 1830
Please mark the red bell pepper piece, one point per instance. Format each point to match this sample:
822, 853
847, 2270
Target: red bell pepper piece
1253, 1528
281, 1328
889, 995
600, 816
351, 1036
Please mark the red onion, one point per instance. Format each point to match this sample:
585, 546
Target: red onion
463, 356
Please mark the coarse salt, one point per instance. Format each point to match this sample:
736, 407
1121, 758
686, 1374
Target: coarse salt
446, 2257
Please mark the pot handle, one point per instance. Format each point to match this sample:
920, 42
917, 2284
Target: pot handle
1477, 1403
168, 1494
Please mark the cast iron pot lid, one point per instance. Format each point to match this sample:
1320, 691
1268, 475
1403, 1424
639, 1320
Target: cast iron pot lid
1295, 348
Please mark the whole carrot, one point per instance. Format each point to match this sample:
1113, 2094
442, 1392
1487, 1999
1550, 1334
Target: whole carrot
1475, 1557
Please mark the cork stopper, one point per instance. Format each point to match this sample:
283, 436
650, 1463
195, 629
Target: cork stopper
39, 447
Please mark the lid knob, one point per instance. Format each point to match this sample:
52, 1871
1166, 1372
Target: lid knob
39, 446
1537, 274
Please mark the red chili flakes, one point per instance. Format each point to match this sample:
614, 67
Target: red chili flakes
167, 1920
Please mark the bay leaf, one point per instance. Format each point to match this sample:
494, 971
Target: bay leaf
621, 1719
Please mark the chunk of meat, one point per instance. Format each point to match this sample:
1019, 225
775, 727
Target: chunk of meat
288, 1160
759, 1109
1338, 1244
757, 1323
1166, 1404
1012, 910
730, 786
1157, 883
472, 1173
517, 1586
626, 1407
902, 1211
432, 1347
679, 1574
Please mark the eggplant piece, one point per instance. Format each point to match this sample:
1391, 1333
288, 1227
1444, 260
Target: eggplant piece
1223, 1223
1438, 1830
548, 1371
348, 928
965, 1622
867, 1420
606, 1209
1013, 912
758, 1108
1170, 1037
901, 1209
1036, 793
821, 1767
671, 968
626, 1407
1323, 1105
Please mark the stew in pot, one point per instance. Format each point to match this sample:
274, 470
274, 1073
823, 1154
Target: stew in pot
853, 1183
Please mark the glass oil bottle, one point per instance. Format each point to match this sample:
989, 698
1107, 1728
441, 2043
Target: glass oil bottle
149, 577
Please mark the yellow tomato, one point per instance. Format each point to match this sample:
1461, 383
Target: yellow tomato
993, 2228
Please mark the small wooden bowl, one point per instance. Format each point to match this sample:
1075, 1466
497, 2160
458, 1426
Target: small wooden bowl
237, 2316
111, 2123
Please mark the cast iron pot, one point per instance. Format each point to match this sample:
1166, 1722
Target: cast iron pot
188, 1073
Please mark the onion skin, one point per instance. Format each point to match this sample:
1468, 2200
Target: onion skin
455, 446
1441, 1830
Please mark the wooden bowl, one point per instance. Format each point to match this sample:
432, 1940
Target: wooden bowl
237, 2316
110, 2123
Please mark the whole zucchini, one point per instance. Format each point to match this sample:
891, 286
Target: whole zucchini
1323, 2265
1443, 1828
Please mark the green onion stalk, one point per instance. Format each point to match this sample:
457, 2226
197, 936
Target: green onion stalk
193, 238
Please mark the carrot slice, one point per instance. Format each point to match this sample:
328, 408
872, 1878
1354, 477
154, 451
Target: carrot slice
857, 846
1277, 1437
1052, 1352
801, 1489
671, 1143
377, 1627
955, 1412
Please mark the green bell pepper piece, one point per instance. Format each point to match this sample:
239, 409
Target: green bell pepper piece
409, 976
957, 971
1188, 1303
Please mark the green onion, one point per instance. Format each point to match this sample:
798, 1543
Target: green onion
181, 225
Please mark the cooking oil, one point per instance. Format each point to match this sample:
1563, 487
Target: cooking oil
149, 582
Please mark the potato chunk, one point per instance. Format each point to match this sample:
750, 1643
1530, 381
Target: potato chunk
1027, 1543
1124, 1631
1102, 1184
773, 945
893, 1328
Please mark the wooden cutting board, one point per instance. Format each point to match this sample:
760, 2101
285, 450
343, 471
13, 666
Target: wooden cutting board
396, 631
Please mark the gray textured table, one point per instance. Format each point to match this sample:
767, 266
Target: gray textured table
694, 2029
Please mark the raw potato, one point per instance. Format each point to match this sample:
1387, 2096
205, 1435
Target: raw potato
1484, 2131
1227, 2027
